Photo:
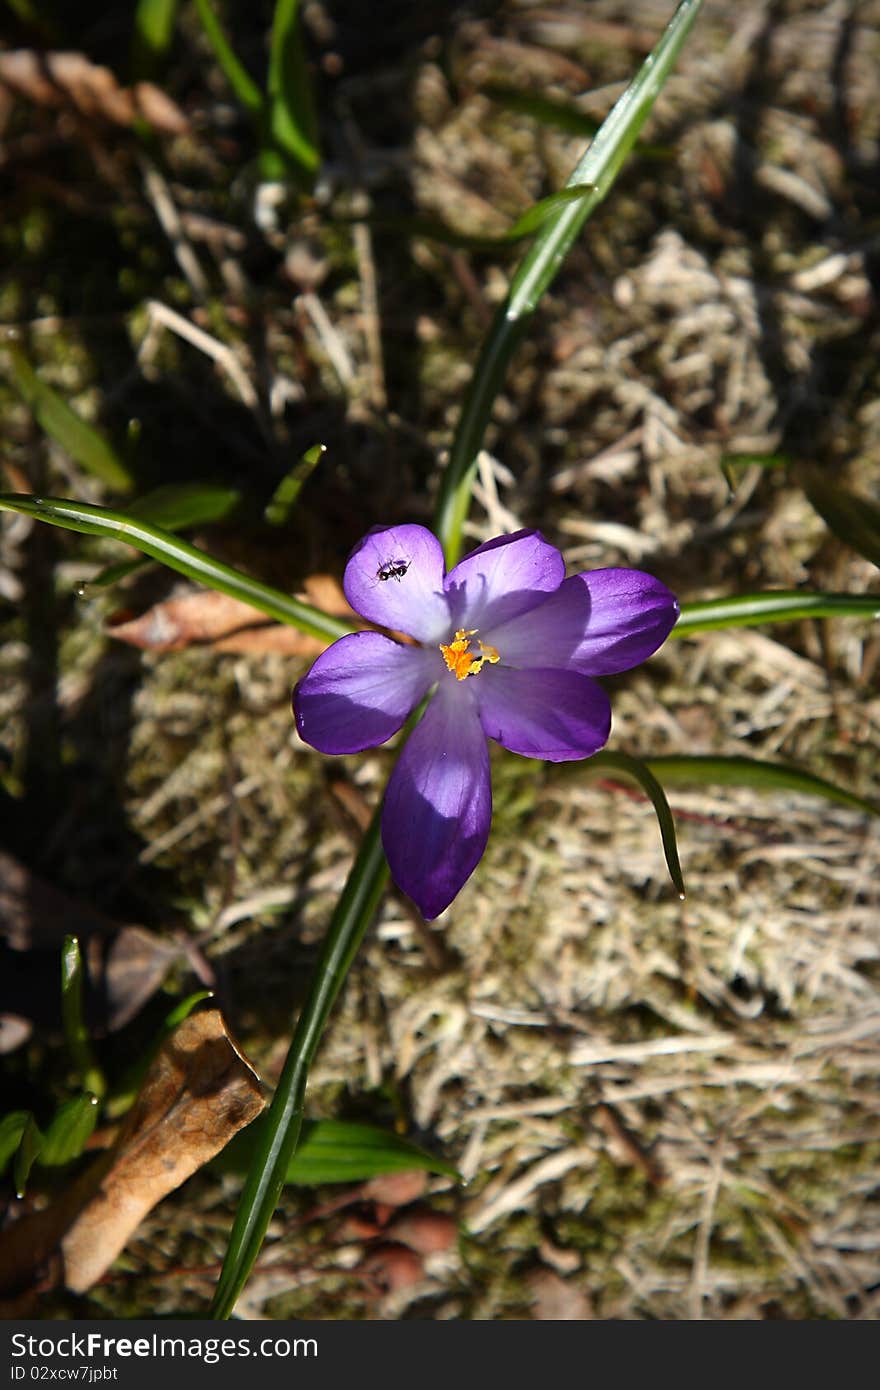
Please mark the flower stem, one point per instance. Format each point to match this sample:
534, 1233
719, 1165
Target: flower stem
595, 173
280, 1128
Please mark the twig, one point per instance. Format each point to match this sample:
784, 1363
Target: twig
211, 347
159, 194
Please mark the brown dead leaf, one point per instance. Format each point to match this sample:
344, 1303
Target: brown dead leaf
204, 618
71, 80
198, 1093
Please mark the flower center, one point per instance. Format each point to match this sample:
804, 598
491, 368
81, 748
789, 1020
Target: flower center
459, 658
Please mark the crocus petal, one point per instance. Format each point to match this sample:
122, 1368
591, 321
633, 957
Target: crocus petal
359, 692
394, 577
438, 804
505, 577
597, 623
557, 715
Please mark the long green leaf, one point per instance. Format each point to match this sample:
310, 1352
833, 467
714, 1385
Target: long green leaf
178, 555
598, 168
26, 1154
69, 1130
337, 1151
751, 772
174, 507
774, 606
236, 74
177, 506
640, 772
286, 493
292, 122
280, 1130
153, 31
562, 115
12, 1127
72, 1016
78, 438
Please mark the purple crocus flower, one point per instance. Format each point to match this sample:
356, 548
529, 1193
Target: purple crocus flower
510, 647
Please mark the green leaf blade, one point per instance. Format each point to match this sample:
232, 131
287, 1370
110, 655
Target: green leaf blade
73, 1018
79, 439
755, 774
12, 1127
595, 173
772, 606
281, 1126
640, 772
26, 1155
69, 1130
178, 555
292, 120
336, 1151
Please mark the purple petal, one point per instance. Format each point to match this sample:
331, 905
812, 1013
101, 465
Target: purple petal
438, 805
597, 623
394, 577
503, 578
557, 715
360, 691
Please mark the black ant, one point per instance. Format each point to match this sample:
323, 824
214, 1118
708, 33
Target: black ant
393, 569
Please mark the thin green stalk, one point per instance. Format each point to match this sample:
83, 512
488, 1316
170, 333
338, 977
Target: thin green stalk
178, 555
774, 606
596, 171
236, 74
281, 1128
291, 119
153, 31
75, 1030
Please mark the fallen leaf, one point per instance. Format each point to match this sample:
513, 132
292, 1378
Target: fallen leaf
207, 619
197, 1094
72, 80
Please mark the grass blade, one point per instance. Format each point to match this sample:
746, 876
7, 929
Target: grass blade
177, 506
751, 772
69, 1130
774, 606
236, 74
598, 168
78, 438
26, 1154
292, 122
638, 771
562, 115
277, 1141
285, 495
153, 31
336, 1151
12, 1127
75, 1031
178, 555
